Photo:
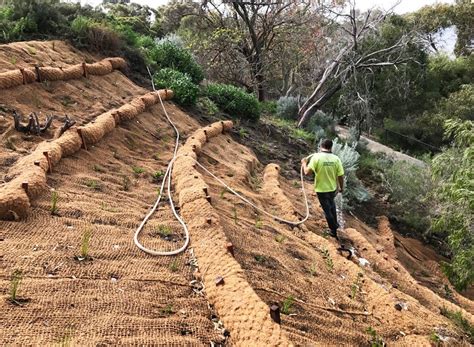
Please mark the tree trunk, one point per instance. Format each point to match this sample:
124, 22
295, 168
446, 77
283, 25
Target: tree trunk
313, 107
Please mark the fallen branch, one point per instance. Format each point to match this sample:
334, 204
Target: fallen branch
68, 123
354, 313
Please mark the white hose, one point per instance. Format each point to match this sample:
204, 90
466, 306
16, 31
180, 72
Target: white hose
167, 178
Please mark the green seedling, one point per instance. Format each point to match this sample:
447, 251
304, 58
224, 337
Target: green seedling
260, 258
31, 50
126, 183
98, 168
356, 285
92, 184
13, 61
312, 269
174, 265
258, 223
434, 338
66, 339
157, 176
54, 202
234, 212
156, 156
375, 341
280, 238
138, 170
85, 243
328, 259
287, 304
15, 281
167, 310
164, 230
222, 193
296, 184
243, 133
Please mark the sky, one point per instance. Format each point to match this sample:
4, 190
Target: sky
404, 6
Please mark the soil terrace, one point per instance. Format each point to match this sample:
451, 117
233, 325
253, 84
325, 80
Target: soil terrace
121, 295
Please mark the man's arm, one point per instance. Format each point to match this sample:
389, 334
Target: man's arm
340, 180
307, 170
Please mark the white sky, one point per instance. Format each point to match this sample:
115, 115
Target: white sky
403, 7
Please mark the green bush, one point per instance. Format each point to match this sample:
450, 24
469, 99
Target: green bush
168, 55
96, 36
410, 188
207, 106
185, 91
354, 191
268, 107
287, 107
234, 101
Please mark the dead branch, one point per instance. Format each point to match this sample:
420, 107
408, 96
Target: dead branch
68, 123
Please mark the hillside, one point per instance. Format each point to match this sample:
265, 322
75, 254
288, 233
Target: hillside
121, 295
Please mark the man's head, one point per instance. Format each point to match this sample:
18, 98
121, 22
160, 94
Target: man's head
326, 145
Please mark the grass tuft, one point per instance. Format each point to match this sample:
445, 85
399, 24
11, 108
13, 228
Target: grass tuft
287, 304
15, 281
54, 202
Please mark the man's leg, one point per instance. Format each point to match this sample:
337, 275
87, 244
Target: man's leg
334, 209
325, 201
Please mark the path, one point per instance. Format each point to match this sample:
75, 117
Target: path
376, 147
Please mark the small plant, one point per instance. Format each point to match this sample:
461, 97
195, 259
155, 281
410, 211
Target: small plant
260, 258
9, 144
126, 183
222, 193
287, 304
174, 265
258, 223
31, 50
328, 259
234, 101
434, 338
14, 284
157, 176
156, 156
461, 322
67, 101
356, 285
13, 61
312, 269
296, 184
280, 238
54, 202
138, 170
85, 243
66, 339
234, 212
376, 341
92, 184
167, 310
98, 168
164, 231
243, 133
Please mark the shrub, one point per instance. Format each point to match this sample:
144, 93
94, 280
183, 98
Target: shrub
454, 168
410, 188
268, 107
185, 91
207, 106
169, 55
234, 101
354, 190
96, 36
287, 107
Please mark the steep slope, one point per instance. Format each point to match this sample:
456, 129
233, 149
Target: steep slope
124, 296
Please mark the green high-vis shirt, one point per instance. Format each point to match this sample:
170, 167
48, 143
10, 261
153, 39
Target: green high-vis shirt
326, 167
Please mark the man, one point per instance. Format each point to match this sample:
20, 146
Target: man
328, 175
